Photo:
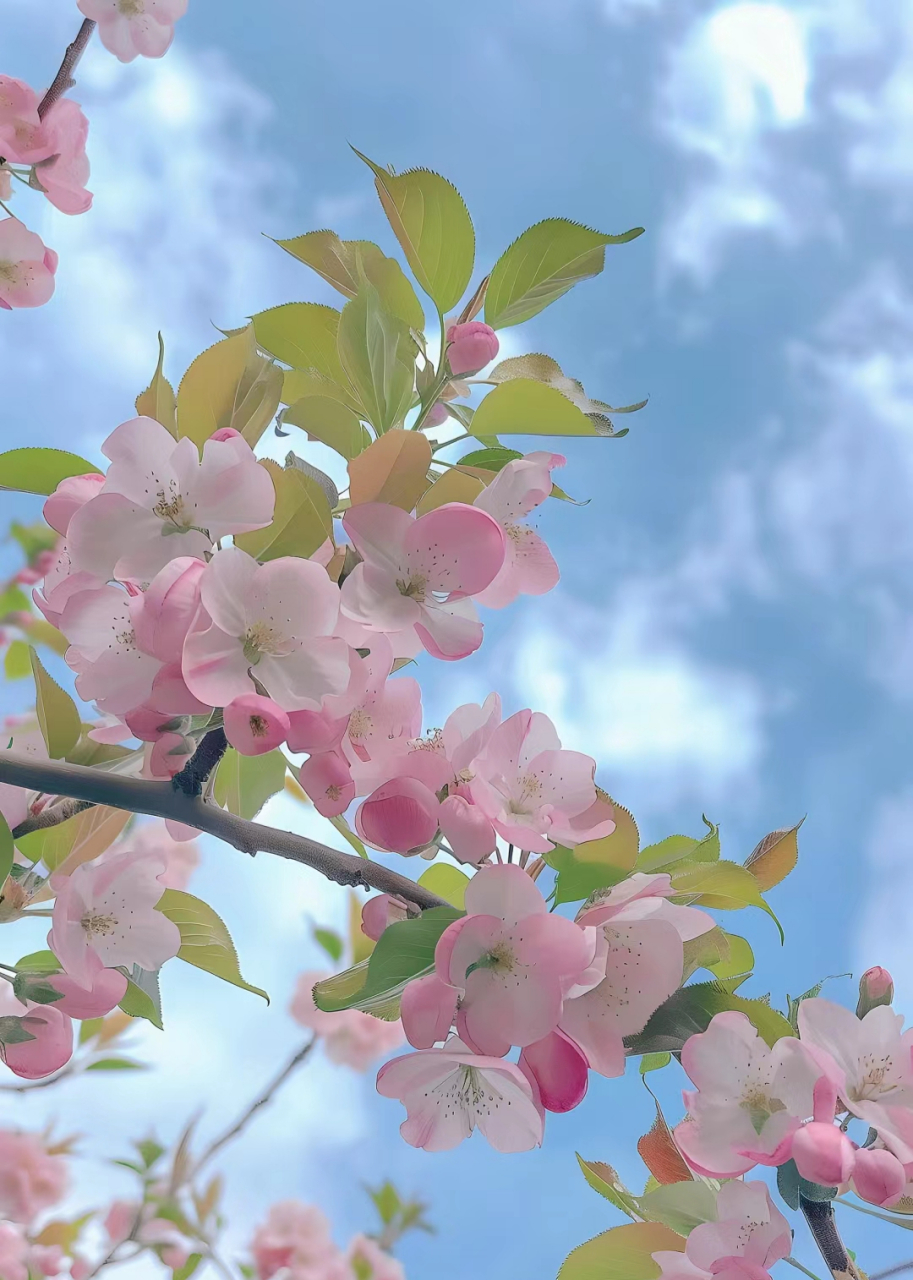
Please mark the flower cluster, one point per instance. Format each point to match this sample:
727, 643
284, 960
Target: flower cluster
565, 992
295, 1239
748, 1235
33, 1178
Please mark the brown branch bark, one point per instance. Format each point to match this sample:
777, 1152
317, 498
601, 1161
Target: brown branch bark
64, 77
161, 800
819, 1214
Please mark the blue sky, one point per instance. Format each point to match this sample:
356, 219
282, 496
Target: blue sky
734, 629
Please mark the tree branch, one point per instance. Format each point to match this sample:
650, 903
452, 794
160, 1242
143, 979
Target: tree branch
196, 771
161, 800
819, 1214
64, 77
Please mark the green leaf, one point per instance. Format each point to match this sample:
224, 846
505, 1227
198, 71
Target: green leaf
377, 352
528, 408
433, 225
80, 839
116, 1064
158, 400
624, 1253
13, 600
739, 961
654, 1062
774, 857
493, 460
302, 520
404, 951
89, 1028
604, 1180
143, 1001
228, 385
41, 632
680, 1205
337, 261
544, 369
245, 783
58, 718
596, 864
303, 335
330, 422
40, 470
690, 1010
37, 988
788, 1183
724, 886
666, 853
150, 1152
205, 941
17, 663
387, 1202
394, 469
541, 265
447, 882
7, 851
39, 962
331, 942
187, 1270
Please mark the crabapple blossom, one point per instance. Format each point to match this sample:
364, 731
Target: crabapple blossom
254, 724
529, 567
71, 494
823, 1154
27, 267
170, 605
428, 1007
295, 1237
878, 1176
93, 998
401, 816
512, 960
450, 1092
64, 172
14, 1252
23, 138
327, 780
161, 499
51, 1045
182, 857
112, 670
61, 583
131, 27
470, 346
107, 910
380, 911
266, 628
466, 829
351, 1038
416, 574
534, 794
366, 1258
748, 1237
31, 1179
749, 1100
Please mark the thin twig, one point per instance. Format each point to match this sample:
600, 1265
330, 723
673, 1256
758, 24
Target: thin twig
819, 1214
892, 1271
793, 1262
64, 77
161, 800
54, 815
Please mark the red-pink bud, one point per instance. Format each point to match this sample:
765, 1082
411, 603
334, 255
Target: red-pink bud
380, 911
471, 346
876, 987
255, 724
437, 415
226, 433
107, 990
50, 1049
823, 1154
879, 1176
560, 1069
401, 816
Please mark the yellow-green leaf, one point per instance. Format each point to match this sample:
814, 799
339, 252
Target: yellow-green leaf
774, 857
245, 783
58, 718
605, 1182
624, 1253
725, 886
302, 334
17, 664
541, 265
377, 352
739, 961
40, 470
206, 395
393, 469
529, 408
360, 945
257, 397
299, 383
205, 941
7, 852
41, 632
596, 864
543, 368
433, 225
447, 882
331, 422
158, 400
337, 261
302, 520
452, 486
80, 839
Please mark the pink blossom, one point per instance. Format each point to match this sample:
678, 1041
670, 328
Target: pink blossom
878, 1176
14, 1252
112, 670
51, 1046
131, 27
416, 574
274, 621
254, 724
181, 857
31, 1179
748, 1237
466, 829
351, 1038
71, 494
749, 1101
166, 756
23, 138
512, 959
294, 1236
99, 994
63, 176
470, 346
560, 1070
366, 1258
170, 605
529, 567
401, 816
61, 583
27, 267
380, 911
327, 781
383, 719
107, 909
161, 500
450, 1092
533, 793
428, 1007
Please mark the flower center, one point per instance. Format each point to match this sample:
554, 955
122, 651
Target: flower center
500, 958
258, 726
333, 791
360, 723
9, 271
261, 638
760, 1107
415, 588
170, 508
526, 796
97, 926
131, 8
875, 1078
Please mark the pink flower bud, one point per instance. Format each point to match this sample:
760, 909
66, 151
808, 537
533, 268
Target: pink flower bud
68, 497
560, 1069
226, 433
51, 1048
401, 816
876, 987
254, 724
879, 1176
106, 991
468, 832
471, 346
380, 911
428, 1008
823, 1154
328, 782
437, 415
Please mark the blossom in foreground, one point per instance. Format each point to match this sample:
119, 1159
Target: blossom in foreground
107, 910
269, 625
401, 816
529, 567
51, 1043
27, 267
112, 670
748, 1237
749, 1100
161, 500
31, 1179
350, 1038
131, 27
450, 1092
417, 575
512, 960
